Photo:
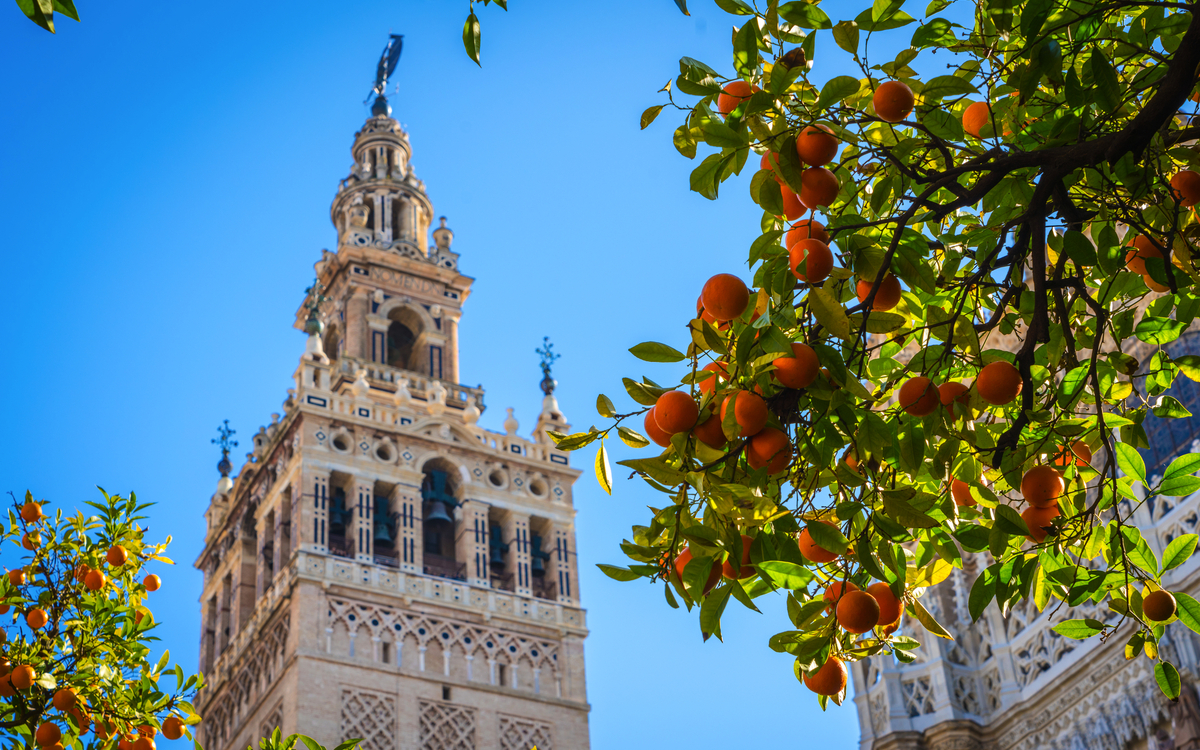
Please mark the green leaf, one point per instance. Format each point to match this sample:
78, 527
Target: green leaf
1130, 462
618, 574
1167, 678
946, 86
642, 393
934, 33
1078, 249
652, 351
845, 34
1107, 87
805, 15
786, 575
67, 8
704, 178
711, 610
1179, 486
1010, 522
829, 312
471, 38
603, 470
736, 7
828, 537
1178, 551
684, 142
1189, 364
1188, 463
837, 89
604, 407
745, 49
881, 10
1078, 629
896, 505
1188, 611
632, 438
683, 6
982, 592
1158, 331
917, 610
574, 441
651, 113
897, 20
1034, 16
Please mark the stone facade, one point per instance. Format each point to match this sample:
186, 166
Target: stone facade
381, 567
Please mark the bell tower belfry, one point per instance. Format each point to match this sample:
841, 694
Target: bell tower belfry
381, 566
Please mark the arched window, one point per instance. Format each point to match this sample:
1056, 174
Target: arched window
400, 340
339, 520
332, 343
440, 495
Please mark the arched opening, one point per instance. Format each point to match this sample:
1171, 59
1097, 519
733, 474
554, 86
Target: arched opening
384, 529
332, 343
400, 340
339, 520
440, 496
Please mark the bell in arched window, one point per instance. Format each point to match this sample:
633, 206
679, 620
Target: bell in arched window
537, 558
384, 524
496, 547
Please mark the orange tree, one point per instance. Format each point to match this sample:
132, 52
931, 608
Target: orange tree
75, 645
929, 368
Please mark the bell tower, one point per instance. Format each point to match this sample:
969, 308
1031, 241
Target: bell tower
381, 566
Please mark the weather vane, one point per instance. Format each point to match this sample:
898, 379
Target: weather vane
548, 356
225, 432
387, 64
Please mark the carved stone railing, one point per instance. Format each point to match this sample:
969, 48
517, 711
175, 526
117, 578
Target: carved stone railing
386, 377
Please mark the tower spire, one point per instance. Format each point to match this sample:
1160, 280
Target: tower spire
383, 71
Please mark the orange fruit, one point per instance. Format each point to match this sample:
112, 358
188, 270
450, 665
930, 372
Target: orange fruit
1185, 187
31, 512
998, 382
64, 699
893, 101
770, 160
1154, 285
1042, 486
117, 555
818, 187
143, 743
816, 145
36, 618
817, 259
830, 679
744, 569
1079, 453
725, 296
975, 117
17, 577
708, 385
792, 207
771, 448
919, 396
81, 571
889, 606
6, 686
31, 540
850, 459
813, 551
799, 370
47, 735
749, 411
733, 94
961, 492
172, 728
152, 582
681, 562
857, 612
146, 730
1038, 520
95, 580
887, 297
1159, 606
22, 677
951, 392
834, 593
709, 432
675, 412
1143, 248
806, 229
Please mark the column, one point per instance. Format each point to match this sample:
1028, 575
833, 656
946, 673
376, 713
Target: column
562, 563
516, 529
283, 515
471, 544
451, 355
364, 514
246, 568
387, 204
265, 530
406, 501
357, 307
315, 512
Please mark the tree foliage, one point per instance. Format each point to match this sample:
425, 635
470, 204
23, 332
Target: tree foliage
77, 666
1012, 222
42, 12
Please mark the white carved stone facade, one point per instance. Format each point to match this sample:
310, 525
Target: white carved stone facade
381, 567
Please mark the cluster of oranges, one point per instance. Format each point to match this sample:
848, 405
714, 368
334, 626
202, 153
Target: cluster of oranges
23, 677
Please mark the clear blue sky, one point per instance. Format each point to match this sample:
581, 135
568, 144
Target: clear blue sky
167, 174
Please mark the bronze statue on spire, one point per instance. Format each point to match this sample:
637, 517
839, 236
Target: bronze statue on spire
387, 64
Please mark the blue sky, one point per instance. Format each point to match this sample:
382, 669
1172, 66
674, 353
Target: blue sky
167, 181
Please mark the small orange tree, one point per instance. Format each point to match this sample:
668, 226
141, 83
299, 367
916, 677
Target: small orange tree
75, 646
855, 415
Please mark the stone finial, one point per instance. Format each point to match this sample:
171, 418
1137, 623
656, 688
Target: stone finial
402, 396
471, 413
442, 236
511, 424
361, 387
437, 397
